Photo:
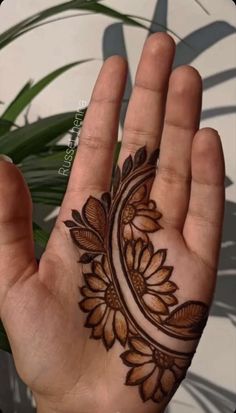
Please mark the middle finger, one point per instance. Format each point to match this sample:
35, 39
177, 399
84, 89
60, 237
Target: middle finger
144, 119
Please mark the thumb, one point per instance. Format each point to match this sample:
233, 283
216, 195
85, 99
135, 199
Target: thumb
17, 258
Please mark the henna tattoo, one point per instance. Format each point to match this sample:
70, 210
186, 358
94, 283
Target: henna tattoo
128, 293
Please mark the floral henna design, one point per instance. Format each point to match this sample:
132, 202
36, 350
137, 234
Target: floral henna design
116, 229
140, 216
150, 277
106, 317
157, 374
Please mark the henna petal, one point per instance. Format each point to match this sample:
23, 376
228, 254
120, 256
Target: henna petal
133, 358
139, 234
96, 315
86, 292
144, 212
160, 276
98, 330
138, 249
95, 283
89, 304
158, 396
109, 335
146, 224
145, 259
156, 262
138, 374
167, 287
141, 345
149, 386
139, 195
155, 304
167, 381
169, 299
127, 232
121, 327
129, 255
99, 271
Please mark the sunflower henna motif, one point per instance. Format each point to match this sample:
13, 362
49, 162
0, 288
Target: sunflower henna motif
150, 277
140, 216
157, 374
126, 220
106, 316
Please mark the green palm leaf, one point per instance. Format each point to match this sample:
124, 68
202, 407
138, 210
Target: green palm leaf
34, 138
29, 92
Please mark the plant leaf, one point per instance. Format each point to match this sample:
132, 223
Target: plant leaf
30, 23
29, 92
86, 240
33, 138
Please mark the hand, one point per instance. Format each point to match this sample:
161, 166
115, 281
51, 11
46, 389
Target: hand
148, 254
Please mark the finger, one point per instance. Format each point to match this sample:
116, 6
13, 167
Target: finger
144, 119
92, 167
203, 225
172, 184
93, 163
16, 238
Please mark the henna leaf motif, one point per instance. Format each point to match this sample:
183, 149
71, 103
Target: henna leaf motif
140, 157
116, 180
87, 240
127, 167
77, 217
70, 224
95, 215
106, 199
191, 315
153, 157
87, 258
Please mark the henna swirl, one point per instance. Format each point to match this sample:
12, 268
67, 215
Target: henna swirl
128, 294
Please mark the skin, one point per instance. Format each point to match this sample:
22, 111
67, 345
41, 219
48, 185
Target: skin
66, 371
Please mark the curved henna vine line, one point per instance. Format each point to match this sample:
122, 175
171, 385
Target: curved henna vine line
149, 278
126, 221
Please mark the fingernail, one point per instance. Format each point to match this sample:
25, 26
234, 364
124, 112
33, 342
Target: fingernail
5, 158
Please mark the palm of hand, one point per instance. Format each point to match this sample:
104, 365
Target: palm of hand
148, 267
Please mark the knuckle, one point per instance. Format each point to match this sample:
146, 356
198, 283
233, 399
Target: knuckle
172, 177
95, 142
